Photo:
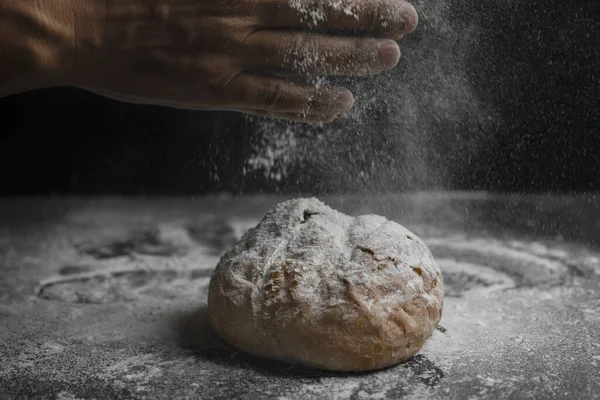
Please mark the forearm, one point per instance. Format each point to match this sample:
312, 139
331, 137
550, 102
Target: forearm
42, 41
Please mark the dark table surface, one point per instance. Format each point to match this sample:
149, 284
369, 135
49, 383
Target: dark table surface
104, 298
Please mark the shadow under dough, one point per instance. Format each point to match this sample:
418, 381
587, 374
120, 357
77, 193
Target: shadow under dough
194, 334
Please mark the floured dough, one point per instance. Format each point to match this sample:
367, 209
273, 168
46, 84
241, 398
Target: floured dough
311, 285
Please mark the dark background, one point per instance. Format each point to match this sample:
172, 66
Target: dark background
529, 120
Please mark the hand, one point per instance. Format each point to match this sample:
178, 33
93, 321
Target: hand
221, 54
203, 54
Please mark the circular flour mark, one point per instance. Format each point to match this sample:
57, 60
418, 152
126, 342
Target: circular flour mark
461, 277
75, 269
468, 264
152, 242
493, 263
216, 233
125, 285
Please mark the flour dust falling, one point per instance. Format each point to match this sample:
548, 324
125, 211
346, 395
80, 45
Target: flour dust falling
419, 126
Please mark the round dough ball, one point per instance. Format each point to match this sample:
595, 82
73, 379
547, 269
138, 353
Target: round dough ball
313, 286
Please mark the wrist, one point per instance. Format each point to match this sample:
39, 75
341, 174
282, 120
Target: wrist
46, 43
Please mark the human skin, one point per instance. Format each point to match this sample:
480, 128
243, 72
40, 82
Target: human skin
236, 55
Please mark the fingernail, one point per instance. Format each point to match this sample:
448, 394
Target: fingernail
411, 18
389, 54
345, 99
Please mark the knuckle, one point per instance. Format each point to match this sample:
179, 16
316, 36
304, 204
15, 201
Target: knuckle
312, 46
274, 96
305, 52
373, 21
303, 45
239, 7
216, 80
297, 45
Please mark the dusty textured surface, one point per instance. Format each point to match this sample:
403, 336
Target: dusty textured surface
105, 299
313, 286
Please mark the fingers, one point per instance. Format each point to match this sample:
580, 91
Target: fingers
272, 95
295, 117
255, 94
312, 53
374, 18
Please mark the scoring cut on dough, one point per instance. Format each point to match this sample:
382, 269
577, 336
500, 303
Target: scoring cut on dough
311, 285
